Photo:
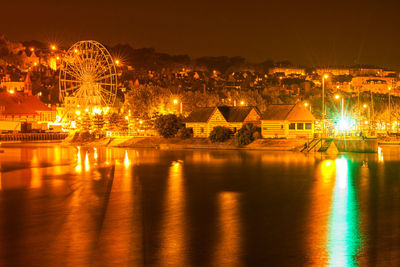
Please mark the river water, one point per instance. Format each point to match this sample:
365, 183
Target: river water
76, 206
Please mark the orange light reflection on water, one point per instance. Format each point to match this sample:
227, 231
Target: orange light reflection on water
126, 159
321, 198
78, 167
173, 236
229, 248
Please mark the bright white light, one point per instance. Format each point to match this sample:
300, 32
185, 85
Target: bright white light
126, 159
344, 124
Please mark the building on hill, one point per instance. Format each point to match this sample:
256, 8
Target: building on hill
13, 86
203, 120
288, 71
287, 121
28, 84
379, 85
30, 61
333, 71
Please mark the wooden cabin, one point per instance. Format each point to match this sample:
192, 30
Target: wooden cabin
203, 120
287, 121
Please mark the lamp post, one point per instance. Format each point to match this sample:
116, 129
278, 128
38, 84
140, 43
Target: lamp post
306, 105
323, 104
368, 116
342, 104
390, 115
176, 101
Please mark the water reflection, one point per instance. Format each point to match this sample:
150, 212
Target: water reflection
125, 207
228, 250
173, 236
344, 236
78, 167
87, 163
321, 198
380, 154
126, 159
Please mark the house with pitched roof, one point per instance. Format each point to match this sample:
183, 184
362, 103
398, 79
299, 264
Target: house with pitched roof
287, 121
203, 120
24, 108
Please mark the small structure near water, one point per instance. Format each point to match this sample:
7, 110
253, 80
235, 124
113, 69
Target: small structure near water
203, 120
287, 121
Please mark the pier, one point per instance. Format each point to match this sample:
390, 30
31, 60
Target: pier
32, 136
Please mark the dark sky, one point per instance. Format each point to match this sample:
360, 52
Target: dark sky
305, 32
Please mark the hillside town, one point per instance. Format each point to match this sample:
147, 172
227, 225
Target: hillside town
282, 99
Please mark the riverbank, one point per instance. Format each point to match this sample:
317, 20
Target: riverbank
194, 143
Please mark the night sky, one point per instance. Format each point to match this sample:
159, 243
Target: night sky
311, 33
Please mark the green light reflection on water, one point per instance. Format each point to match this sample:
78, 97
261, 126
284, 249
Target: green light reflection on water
344, 236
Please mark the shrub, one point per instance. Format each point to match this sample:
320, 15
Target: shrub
220, 134
167, 125
185, 133
86, 137
76, 137
257, 134
247, 134
116, 122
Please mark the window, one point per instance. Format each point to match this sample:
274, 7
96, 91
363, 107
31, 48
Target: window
281, 126
300, 126
202, 129
308, 126
292, 126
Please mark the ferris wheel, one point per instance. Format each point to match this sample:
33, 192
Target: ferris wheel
88, 76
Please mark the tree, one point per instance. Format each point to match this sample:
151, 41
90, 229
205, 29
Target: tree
145, 101
86, 123
247, 134
98, 122
167, 125
185, 133
113, 121
220, 134
117, 122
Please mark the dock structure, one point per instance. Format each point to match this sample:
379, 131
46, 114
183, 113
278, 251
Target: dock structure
32, 136
334, 145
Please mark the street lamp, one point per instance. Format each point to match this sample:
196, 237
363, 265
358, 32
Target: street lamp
306, 105
176, 101
323, 103
342, 104
390, 115
368, 115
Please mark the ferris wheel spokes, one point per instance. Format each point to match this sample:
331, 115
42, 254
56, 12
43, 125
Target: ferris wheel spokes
88, 76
